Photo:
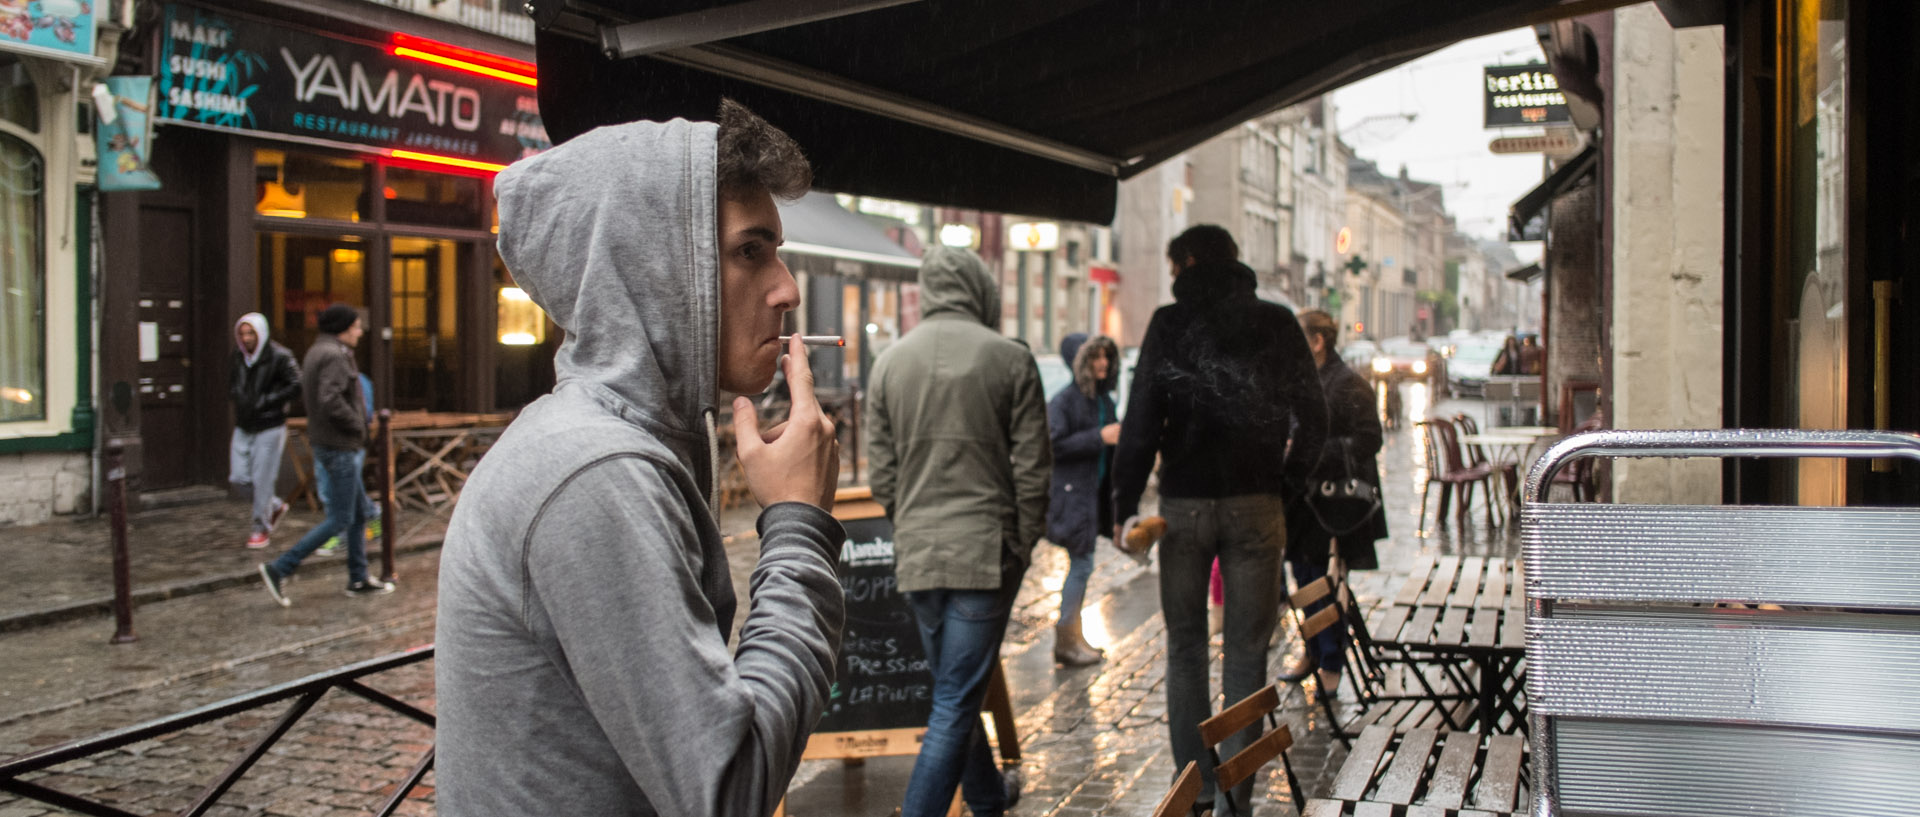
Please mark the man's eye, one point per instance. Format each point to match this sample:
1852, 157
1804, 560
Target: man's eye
751, 252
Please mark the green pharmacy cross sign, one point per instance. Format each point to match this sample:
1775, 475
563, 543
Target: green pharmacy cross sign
1356, 265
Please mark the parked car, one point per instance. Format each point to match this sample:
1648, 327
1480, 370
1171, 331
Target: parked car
1470, 366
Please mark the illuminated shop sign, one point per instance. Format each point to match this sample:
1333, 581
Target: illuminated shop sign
411, 97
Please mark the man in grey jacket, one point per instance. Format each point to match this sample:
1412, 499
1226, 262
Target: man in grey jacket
585, 598
337, 429
961, 463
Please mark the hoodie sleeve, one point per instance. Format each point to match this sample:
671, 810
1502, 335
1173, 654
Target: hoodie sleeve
1031, 450
883, 462
1141, 430
611, 562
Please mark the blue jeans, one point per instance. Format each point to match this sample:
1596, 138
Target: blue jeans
338, 471
1247, 534
961, 631
1329, 647
1073, 593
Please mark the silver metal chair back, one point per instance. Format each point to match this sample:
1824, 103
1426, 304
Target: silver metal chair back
1658, 684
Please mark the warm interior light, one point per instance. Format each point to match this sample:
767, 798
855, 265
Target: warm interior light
521, 323
21, 396
276, 200
345, 255
448, 161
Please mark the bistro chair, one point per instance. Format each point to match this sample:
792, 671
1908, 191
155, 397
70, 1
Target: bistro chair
1392, 688
1446, 466
1252, 711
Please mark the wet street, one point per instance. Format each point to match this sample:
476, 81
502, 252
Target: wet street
1094, 738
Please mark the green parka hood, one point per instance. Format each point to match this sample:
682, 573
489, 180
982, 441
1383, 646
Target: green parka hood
956, 280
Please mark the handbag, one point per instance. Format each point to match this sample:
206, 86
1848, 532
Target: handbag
1341, 506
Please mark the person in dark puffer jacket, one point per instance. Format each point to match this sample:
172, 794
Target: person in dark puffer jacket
263, 377
1085, 425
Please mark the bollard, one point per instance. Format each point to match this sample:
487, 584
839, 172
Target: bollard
388, 522
122, 570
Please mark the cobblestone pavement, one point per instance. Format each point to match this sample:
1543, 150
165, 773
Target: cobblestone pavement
1094, 738
63, 570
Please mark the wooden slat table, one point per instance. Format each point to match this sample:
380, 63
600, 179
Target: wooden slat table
1468, 608
1426, 774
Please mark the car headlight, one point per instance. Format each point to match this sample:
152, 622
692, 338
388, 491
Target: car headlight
1382, 365
1419, 367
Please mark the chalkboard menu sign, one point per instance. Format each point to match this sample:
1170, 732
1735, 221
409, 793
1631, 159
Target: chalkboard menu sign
882, 680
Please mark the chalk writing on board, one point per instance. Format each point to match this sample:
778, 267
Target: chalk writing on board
882, 681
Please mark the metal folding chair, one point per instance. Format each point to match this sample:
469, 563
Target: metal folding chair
1709, 660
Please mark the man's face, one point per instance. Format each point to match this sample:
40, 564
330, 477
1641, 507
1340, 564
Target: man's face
1317, 343
756, 291
1100, 364
249, 339
351, 336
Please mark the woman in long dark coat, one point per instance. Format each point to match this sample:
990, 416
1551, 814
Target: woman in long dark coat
1353, 446
1085, 425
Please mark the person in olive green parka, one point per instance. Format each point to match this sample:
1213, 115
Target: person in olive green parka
961, 461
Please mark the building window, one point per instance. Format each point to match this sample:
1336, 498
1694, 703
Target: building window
23, 376
305, 185
19, 101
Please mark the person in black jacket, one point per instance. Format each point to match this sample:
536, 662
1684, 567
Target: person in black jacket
1354, 438
1226, 394
264, 377
1084, 424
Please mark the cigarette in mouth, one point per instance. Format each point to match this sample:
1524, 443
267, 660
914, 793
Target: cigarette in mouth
816, 340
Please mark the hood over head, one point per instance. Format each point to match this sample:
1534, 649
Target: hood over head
1215, 280
613, 234
956, 280
1080, 351
259, 324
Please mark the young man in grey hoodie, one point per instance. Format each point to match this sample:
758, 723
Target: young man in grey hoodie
585, 599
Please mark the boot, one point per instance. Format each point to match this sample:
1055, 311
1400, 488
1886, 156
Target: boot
1071, 649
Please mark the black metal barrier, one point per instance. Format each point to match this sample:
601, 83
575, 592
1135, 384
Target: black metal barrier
304, 693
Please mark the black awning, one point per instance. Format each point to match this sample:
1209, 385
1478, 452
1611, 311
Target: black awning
1526, 221
823, 238
1526, 274
1000, 105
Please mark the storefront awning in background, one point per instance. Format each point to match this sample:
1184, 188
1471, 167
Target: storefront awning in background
1527, 220
823, 238
998, 105
1527, 274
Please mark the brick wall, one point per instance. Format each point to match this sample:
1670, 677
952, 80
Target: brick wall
35, 486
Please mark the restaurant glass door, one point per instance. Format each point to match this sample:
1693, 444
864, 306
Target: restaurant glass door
427, 278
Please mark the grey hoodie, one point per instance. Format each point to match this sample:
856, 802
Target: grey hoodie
585, 600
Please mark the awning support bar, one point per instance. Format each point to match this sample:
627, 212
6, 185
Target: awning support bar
780, 75
726, 22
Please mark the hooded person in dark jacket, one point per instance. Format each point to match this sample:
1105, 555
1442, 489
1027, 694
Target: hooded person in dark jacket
1354, 438
1085, 424
263, 377
1226, 394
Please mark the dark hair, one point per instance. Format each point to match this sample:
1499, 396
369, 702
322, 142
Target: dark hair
1203, 243
752, 154
1317, 322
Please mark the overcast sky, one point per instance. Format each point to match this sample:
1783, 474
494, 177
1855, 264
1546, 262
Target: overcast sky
1446, 142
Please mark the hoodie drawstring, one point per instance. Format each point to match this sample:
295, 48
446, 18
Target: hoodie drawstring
713, 462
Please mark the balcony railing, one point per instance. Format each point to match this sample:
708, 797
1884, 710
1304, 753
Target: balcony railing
503, 18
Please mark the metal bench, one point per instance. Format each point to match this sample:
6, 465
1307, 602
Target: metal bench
1713, 660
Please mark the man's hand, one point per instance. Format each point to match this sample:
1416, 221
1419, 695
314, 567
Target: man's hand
1110, 434
796, 461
